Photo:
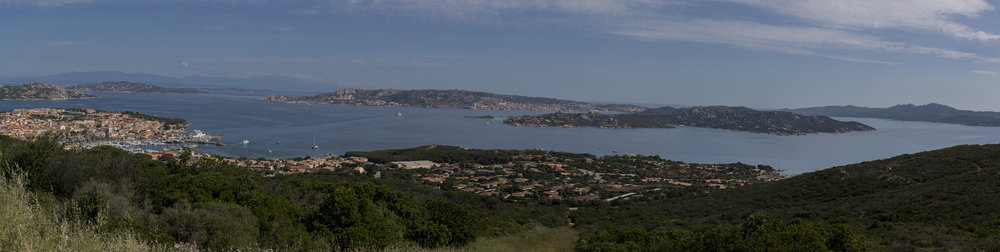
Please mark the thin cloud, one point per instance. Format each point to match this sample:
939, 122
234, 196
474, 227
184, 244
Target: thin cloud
927, 15
478, 8
860, 60
985, 72
786, 39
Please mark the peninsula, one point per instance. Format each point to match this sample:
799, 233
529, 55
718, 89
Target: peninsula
37, 91
132, 87
931, 112
718, 117
88, 127
454, 99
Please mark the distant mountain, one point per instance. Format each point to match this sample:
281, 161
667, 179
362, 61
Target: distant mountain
279, 83
131, 87
719, 117
459, 99
36, 91
932, 112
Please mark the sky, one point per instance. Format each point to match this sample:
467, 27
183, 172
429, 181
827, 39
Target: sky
755, 53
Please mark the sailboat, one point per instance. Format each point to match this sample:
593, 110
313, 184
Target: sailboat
315, 147
245, 141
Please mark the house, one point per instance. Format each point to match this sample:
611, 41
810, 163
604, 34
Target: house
157, 155
414, 164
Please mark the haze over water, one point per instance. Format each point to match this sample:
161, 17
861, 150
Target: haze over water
338, 129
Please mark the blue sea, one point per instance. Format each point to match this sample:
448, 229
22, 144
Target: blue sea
290, 130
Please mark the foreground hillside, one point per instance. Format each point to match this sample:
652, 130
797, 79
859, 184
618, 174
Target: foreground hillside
456, 99
116, 198
940, 200
943, 199
719, 117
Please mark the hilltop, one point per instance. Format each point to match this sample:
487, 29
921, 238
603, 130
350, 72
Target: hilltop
37, 91
931, 112
719, 117
455, 99
940, 200
130, 87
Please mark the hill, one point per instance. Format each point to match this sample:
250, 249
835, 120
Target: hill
456, 99
130, 87
719, 117
932, 112
36, 91
282, 82
942, 200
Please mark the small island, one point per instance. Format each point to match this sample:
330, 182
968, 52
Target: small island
38, 91
132, 87
480, 117
718, 117
453, 99
931, 112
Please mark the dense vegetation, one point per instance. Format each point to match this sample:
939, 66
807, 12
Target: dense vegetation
932, 112
215, 205
719, 117
943, 199
429, 98
108, 198
37, 91
130, 87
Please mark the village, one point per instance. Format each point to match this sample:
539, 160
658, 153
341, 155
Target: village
537, 176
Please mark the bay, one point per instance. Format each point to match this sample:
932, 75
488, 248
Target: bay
290, 130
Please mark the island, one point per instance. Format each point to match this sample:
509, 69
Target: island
38, 91
84, 128
718, 117
132, 87
931, 112
479, 117
454, 99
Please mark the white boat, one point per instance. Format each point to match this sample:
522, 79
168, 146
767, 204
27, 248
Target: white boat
245, 141
399, 113
315, 147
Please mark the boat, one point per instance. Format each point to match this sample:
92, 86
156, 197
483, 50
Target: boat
245, 141
315, 147
399, 113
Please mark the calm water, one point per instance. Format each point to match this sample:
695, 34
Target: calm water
337, 129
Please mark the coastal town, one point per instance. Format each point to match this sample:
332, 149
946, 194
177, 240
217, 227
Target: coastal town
538, 174
83, 128
513, 174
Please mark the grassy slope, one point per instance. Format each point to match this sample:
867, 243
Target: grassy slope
537, 239
29, 225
